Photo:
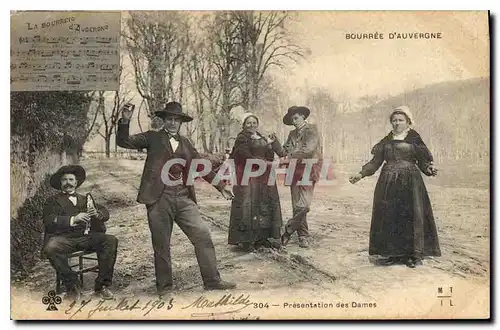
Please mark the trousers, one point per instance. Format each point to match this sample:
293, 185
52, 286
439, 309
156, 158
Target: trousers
301, 201
174, 205
59, 247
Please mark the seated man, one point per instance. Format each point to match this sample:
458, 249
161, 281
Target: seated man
71, 226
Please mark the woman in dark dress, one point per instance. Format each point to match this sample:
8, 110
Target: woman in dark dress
402, 226
255, 209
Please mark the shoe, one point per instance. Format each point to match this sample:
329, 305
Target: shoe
74, 293
262, 244
164, 293
391, 261
285, 238
303, 243
105, 293
411, 262
221, 285
247, 247
274, 243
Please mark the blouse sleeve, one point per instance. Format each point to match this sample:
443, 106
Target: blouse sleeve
424, 156
241, 149
278, 149
378, 158
281, 150
269, 155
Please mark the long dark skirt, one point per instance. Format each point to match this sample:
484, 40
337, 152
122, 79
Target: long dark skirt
255, 213
402, 219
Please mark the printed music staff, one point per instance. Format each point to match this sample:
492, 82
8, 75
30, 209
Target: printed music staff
63, 53
67, 40
69, 79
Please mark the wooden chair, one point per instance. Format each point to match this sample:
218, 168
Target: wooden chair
80, 270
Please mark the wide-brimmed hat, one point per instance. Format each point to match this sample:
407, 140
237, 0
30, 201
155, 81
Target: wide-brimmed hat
287, 120
174, 108
77, 170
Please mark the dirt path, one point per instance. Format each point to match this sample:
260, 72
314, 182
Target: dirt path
336, 268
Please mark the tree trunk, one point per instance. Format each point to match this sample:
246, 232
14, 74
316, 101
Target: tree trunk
213, 136
203, 137
224, 124
108, 142
254, 94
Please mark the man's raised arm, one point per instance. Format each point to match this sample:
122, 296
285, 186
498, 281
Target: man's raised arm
123, 137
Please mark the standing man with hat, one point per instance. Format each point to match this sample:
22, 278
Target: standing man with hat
66, 216
303, 143
167, 204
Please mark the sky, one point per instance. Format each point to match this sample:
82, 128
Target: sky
389, 66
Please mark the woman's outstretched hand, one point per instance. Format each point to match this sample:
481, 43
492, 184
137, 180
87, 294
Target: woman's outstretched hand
432, 170
355, 178
271, 138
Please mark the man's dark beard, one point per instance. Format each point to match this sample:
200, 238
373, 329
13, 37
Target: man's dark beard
67, 186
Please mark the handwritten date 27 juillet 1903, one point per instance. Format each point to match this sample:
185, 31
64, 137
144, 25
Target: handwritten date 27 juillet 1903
91, 307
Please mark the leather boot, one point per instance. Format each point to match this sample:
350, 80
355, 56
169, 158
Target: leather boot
303, 242
287, 234
221, 285
74, 293
298, 213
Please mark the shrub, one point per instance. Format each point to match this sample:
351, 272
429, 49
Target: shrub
41, 123
27, 228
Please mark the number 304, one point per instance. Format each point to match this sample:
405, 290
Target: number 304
260, 305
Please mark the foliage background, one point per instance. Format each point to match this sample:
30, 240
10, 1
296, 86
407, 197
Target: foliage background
48, 129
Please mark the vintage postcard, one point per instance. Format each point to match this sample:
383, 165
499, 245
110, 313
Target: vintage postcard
250, 165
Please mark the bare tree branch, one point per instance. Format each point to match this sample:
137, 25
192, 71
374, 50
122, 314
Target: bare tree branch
156, 42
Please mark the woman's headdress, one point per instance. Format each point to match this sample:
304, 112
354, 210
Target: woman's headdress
246, 115
406, 110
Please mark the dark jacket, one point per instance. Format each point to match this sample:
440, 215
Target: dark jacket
303, 143
159, 151
59, 209
420, 154
244, 150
